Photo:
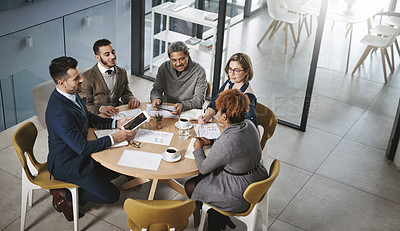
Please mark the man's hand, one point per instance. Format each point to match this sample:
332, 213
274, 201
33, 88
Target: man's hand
122, 121
201, 142
109, 110
156, 103
177, 109
123, 135
133, 103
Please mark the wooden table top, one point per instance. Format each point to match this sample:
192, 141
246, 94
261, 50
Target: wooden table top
167, 170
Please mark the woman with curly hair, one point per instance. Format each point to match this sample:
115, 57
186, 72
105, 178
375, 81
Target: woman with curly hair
240, 71
233, 162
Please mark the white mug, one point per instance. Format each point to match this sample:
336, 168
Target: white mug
184, 122
171, 153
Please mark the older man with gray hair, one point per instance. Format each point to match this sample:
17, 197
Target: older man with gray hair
180, 81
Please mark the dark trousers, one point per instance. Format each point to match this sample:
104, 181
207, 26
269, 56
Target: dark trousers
97, 187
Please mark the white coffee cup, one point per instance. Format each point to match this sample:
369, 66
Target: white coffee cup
171, 153
184, 122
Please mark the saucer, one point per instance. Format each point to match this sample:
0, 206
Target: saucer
178, 125
178, 157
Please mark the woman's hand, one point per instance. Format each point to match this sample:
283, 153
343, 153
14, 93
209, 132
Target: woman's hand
201, 142
202, 120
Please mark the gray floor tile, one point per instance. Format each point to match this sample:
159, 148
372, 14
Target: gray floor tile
303, 150
333, 116
364, 168
10, 199
338, 86
44, 217
279, 225
373, 129
324, 204
288, 183
387, 101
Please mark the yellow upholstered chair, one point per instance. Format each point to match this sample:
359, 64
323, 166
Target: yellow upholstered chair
23, 140
267, 119
208, 91
254, 193
158, 215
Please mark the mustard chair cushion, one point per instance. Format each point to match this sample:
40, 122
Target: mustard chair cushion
158, 215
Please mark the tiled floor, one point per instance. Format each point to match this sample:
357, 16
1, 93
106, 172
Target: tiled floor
333, 177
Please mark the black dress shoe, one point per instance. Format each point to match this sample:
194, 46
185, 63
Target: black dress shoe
61, 205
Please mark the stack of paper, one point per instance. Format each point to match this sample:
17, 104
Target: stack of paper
190, 149
193, 114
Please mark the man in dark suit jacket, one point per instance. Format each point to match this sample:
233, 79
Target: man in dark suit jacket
69, 159
106, 84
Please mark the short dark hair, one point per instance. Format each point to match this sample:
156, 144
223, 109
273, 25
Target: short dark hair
234, 104
100, 43
59, 67
177, 47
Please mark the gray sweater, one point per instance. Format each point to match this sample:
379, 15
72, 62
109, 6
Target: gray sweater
189, 88
238, 151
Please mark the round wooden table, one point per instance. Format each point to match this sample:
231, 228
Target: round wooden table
167, 171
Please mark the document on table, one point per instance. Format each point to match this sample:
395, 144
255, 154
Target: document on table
192, 114
139, 159
106, 132
153, 137
166, 114
190, 149
209, 130
129, 113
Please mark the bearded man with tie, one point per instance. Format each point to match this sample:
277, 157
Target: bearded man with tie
106, 84
69, 159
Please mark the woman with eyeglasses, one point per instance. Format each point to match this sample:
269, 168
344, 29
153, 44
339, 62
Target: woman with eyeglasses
240, 71
232, 164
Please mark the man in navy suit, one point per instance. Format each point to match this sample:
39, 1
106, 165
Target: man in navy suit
69, 160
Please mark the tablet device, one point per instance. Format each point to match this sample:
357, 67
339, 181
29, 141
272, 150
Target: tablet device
138, 120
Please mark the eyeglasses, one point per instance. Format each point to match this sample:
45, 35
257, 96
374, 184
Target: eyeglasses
236, 71
135, 144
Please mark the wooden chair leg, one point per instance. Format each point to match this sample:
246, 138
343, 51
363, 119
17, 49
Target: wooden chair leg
362, 58
286, 24
391, 65
293, 34
275, 29
272, 25
383, 65
308, 30
397, 46
392, 51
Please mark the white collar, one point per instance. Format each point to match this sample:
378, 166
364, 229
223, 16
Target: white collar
103, 69
67, 95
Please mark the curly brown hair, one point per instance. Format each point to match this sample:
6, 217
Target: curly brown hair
234, 104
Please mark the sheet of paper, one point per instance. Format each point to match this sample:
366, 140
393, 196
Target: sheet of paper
209, 130
153, 137
190, 149
128, 113
193, 114
138, 159
165, 113
106, 132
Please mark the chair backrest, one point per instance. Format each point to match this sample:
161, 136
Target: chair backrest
255, 192
158, 214
267, 119
23, 140
208, 91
